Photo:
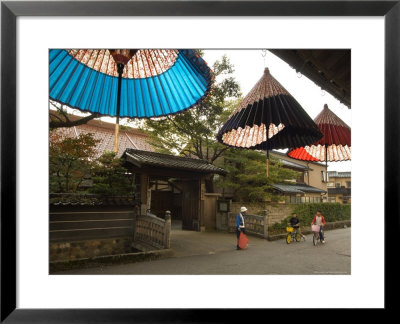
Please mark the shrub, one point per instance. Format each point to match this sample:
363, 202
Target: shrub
332, 212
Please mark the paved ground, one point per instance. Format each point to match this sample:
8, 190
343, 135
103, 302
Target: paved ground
215, 253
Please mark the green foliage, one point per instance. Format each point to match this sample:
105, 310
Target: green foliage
332, 212
192, 133
110, 177
247, 175
70, 161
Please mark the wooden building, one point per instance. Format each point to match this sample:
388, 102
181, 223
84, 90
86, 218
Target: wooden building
174, 183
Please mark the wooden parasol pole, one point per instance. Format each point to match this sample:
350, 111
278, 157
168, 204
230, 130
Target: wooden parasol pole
120, 67
267, 153
326, 163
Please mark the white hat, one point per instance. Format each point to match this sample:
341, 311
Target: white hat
243, 209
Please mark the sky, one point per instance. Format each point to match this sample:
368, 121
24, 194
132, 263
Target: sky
248, 69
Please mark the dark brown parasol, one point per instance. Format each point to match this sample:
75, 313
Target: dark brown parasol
269, 118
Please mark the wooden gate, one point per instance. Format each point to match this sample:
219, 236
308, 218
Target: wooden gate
210, 211
190, 204
162, 201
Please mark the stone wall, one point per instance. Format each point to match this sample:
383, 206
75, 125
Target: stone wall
68, 251
275, 212
90, 231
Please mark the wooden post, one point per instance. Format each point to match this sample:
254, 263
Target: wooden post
144, 184
265, 225
120, 68
167, 230
116, 136
326, 163
202, 207
134, 215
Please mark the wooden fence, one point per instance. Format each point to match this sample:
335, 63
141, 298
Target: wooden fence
80, 225
153, 231
255, 225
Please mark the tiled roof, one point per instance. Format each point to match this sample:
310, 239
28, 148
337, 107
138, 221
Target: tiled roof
146, 158
294, 165
103, 131
336, 174
297, 188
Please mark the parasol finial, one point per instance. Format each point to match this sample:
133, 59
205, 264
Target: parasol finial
266, 70
122, 55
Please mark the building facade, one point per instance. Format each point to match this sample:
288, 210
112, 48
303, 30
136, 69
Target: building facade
309, 187
339, 187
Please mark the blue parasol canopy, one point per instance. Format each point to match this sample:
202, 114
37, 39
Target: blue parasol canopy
142, 83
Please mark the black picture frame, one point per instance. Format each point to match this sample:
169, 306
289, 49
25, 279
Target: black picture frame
10, 10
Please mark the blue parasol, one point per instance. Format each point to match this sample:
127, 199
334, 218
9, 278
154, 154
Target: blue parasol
142, 83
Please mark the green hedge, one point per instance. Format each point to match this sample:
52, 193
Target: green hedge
332, 212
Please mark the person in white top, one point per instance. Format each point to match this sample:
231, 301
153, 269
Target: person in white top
319, 220
240, 227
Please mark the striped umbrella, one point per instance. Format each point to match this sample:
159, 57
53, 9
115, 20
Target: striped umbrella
130, 83
335, 145
269, 118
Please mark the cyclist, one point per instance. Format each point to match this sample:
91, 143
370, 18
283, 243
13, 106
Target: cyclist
319, 220
295, 223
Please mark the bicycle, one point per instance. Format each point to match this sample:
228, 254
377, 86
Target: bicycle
293, 235
316, 231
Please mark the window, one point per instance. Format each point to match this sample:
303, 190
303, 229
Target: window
330, 184
323, 176
348, 184
338, 185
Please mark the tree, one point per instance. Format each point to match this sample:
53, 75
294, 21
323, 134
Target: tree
70, 161
192, 133
110, 177
60, 117
247, 175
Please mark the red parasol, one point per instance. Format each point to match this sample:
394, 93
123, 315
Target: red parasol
334, 146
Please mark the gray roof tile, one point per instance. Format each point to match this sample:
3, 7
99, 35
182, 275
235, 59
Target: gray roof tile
297, 188
143, 158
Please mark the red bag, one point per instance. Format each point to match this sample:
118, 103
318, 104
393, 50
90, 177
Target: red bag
243, 241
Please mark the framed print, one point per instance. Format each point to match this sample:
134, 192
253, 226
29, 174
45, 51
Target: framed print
184, 298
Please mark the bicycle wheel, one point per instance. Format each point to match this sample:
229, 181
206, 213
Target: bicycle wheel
288, 238
314, 239
298, 237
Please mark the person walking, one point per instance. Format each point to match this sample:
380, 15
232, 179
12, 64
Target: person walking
240, 227
319, 220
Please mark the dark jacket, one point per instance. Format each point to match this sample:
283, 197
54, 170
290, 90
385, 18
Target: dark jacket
294, 221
